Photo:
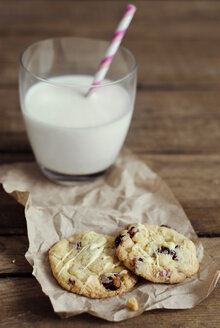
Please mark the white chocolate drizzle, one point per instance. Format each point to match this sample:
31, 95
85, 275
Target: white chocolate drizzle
94, 256
72, 259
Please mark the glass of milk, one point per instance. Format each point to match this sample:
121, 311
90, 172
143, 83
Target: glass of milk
75, 137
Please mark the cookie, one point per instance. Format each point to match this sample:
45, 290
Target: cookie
132, 303
86, 264
158, 254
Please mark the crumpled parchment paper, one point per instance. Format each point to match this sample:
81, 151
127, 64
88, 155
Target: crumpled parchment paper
127, 193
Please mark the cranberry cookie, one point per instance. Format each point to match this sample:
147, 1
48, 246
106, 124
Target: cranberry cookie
158, 254
86, 264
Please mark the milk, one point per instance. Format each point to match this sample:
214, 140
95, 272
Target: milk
73, 134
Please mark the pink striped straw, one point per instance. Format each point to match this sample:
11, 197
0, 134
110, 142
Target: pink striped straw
111, 51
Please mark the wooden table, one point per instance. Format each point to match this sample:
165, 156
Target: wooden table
175, 130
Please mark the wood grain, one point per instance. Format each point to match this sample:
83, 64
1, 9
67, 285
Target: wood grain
12, 251
12, 219
20, 307
175, 130
162, 64
176, 46
164, 122
24, 305
205, 221
194, 180
182, 19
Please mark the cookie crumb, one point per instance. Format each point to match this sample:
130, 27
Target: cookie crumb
132, 304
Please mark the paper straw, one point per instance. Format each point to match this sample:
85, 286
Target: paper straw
115, 43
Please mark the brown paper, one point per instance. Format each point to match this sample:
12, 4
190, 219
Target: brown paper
128, 192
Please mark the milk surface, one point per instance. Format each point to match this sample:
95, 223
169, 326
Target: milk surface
73, 134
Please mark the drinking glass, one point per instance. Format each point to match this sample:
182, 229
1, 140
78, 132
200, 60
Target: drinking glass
66, 153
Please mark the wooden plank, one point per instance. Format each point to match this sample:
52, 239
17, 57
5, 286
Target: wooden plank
13, 157
176, 45
13, 142
170, 64
194, 180
13, 248
177, 49
11, 118
12, 219
24, 305
181, 122
12, 260
203, 212
185, 19
163, 122
205, 221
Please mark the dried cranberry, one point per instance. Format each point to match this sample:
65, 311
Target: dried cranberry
166, 250
112, 282
71, 281
132, 231
174, 257
75, 244
78, 244
133, 262
165, 274
118, 240
136, 262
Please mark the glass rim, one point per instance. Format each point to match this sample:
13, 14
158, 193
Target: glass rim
47, 80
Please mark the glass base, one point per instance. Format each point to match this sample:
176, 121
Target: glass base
68, 179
